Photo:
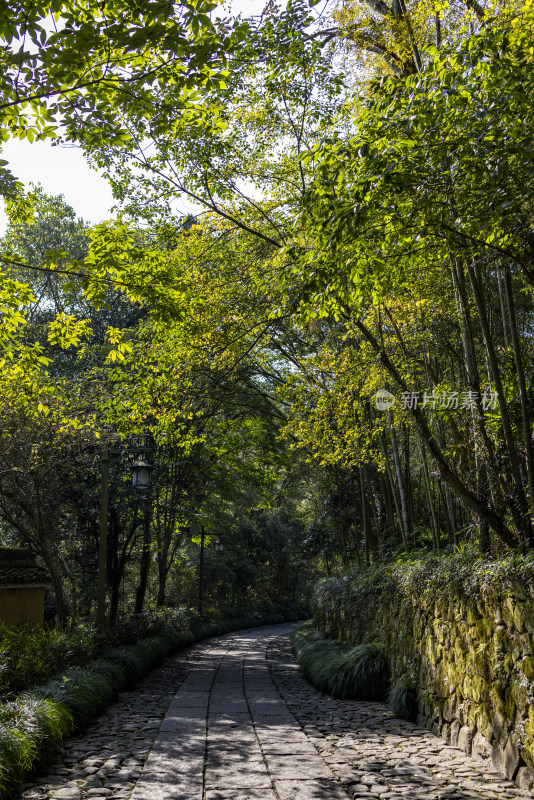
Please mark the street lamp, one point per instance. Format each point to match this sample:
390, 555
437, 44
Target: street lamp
142, 475
142, 483
201, 571
219, 546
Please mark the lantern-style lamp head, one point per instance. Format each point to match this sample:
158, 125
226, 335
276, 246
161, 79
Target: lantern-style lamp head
142, 475
219, 546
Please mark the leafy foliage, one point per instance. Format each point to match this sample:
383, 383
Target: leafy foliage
402, 698
80, 70
349, 672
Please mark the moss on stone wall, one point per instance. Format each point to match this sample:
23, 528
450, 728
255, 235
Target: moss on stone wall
463, 629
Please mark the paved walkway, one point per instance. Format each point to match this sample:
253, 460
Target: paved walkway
242, 724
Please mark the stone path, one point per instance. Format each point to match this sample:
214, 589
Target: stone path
107, 760
237, 722
375, 756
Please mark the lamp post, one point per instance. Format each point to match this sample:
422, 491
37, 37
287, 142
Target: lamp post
142, 481
103, 543
201, 571
219, 547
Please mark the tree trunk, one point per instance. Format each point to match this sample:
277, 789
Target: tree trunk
114, 573
365, 518
408, 482
446, 471
430, 500
162, 580
400, 482
501, 305
494, 473
57, 584
526, 526
391, 495
526, 414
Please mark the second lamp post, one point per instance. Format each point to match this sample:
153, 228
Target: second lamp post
142, 482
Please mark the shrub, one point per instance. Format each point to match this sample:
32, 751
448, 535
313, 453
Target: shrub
130, 628
402, 698
349, 672
30, 730
29, 657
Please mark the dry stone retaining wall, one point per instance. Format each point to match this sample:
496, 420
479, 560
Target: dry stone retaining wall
472, 661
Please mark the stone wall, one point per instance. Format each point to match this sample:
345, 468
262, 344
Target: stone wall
472, 661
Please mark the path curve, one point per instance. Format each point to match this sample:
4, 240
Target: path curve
243, 724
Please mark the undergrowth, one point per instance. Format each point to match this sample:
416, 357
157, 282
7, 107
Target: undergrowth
402, 698
29, 657
34, 723
427, 576
355, 672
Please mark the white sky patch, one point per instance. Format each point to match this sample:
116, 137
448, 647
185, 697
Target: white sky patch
60, 170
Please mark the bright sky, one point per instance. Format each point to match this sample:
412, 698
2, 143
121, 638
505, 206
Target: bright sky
59, 170
64, 170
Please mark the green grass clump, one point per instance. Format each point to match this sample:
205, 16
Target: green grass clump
85, 692
357, 672
402, 698
362, 673
30, 730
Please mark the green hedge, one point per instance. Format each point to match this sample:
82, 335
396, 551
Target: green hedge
29, 657
33, 724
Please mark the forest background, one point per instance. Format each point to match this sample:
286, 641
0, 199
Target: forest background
363, 176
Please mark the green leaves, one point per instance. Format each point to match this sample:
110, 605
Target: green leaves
80, 75
66, 331
121, 349
435, 164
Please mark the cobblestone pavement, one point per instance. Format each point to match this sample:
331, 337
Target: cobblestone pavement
375, 756
233, 719
108, 758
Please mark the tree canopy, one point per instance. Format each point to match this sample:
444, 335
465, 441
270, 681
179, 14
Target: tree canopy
362, 230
